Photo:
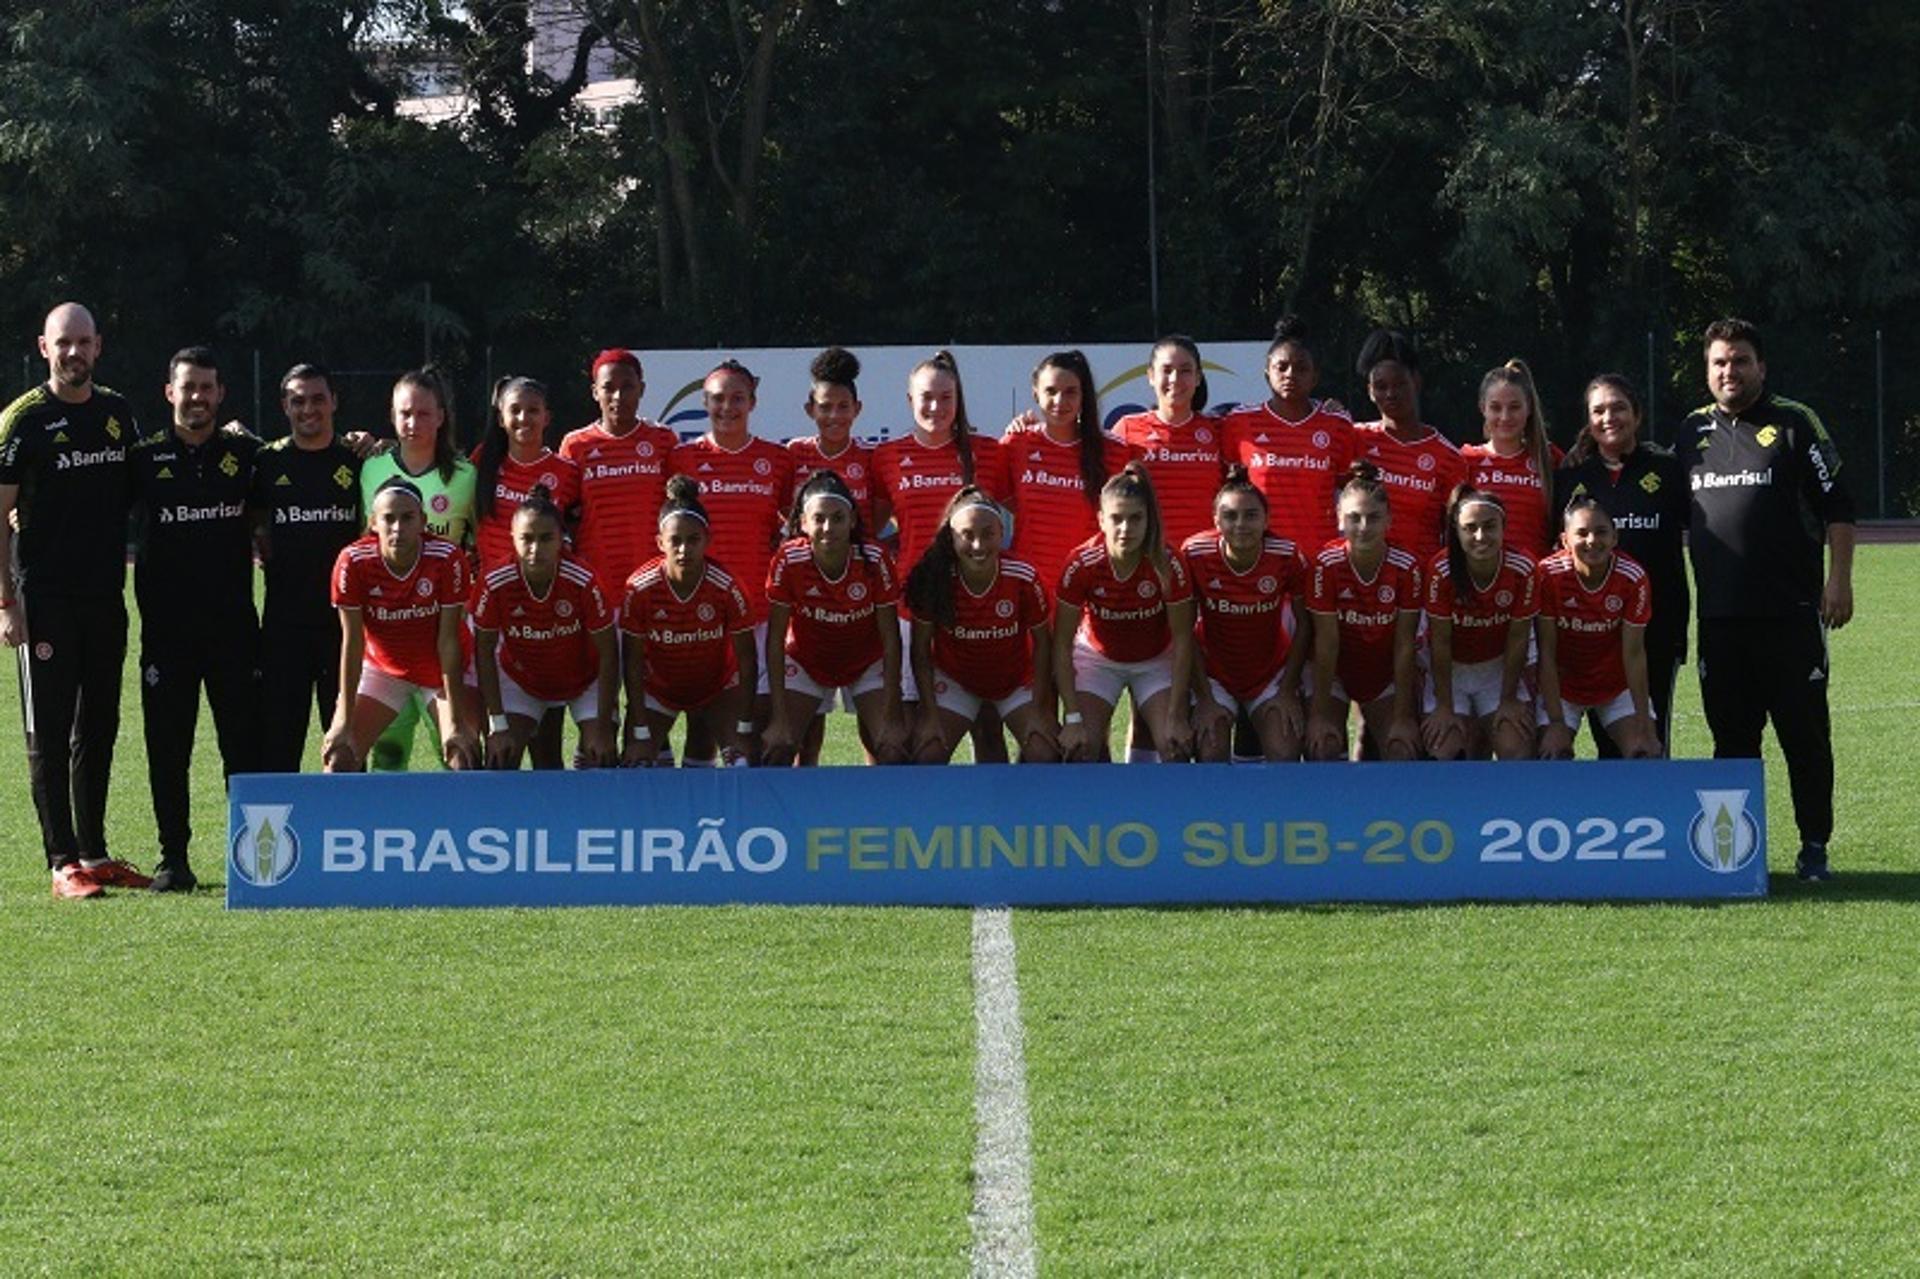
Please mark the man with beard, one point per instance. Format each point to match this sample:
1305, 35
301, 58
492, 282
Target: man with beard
63, 468
193, 578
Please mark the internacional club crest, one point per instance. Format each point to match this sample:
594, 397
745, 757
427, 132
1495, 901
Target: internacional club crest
265, 848
1723, 836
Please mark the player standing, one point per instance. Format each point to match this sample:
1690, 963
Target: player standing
1517, 460
549, 618
1365, 601
1181, 449
1594, 606
1251, 588
1123, 620
513, 458
832, 624
688, 640
1480, 606
623, 470
1295, 448
1057, 460
1418, 464
833, 406
980, 636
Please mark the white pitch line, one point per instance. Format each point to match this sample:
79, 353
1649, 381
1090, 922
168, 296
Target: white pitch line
1003, 1149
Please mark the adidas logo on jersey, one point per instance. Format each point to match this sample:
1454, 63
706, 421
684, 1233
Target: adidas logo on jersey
1213, 583
813, 592
1346, 594
166, 473
61, 438
282, 482
706, 468
518, 611
659, 614
1260, 438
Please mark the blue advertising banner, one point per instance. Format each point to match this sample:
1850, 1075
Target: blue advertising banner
1020, 836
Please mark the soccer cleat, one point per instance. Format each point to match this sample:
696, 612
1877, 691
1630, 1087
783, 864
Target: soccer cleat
117, 874
1811, 864
174, 877
73, 881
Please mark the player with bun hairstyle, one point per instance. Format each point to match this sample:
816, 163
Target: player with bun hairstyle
623, 469
1418, 464
1058, 458
980, 636
918, 475
833, 406
1595, 602
544, 641
1248, 584
1124, 620
1180, 448
513, 459
832, 623
1480, 605
746, 484
1517, 460
688, 643
402, 595
1294, 447
1365, 601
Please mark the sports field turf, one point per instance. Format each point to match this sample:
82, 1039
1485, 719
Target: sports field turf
1455, 1090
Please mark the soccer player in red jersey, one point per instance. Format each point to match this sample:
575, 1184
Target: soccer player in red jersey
833, 623
1295, 448
1181, 449
833, 405
544, 641
1419, 465
1517, 461
1595, 603
1365, 601
623, 470
1058, 459
402, 594
689, 643
1249, 585
1124, 620
980, 636
512, 459
1480, 606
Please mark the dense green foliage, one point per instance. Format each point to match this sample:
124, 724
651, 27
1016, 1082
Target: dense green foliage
1582, 184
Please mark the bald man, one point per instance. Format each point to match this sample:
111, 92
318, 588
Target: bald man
63, 466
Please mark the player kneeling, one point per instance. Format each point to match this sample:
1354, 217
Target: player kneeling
1480, 610
401, 593
688, 635
1125, 623
1594, 606
1246, 580
832, 623
1365, 601
980, 636
543, 639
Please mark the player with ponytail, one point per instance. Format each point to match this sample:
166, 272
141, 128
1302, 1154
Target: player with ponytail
1517, 460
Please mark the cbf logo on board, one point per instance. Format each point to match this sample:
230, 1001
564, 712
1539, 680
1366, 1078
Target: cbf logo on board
265, 848
1724, 837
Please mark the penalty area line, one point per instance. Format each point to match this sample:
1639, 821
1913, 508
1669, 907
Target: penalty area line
1002, 1215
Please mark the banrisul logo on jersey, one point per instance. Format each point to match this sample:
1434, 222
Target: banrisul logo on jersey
266, 847
1724, 837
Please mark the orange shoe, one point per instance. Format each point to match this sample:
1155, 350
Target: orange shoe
117, 874
73, 880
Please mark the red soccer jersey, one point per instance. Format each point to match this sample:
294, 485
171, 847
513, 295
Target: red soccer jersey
1123, 619
1052, 515
1481, 624
1368, 610
400, 614
854, 463
746, 492
493, 535
689, 641
546, 644
1589, 650
918, 480
1420, 477
1297, 465
1184, 462
989, 648
623, 480
831, 631
1517, 482
1242, 615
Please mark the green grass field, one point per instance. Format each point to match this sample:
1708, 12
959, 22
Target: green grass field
1440, 1090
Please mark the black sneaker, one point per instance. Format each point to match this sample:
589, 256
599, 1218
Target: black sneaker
174, 877
1811, 864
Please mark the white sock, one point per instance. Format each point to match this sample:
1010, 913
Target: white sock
1135, 755
691, 762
